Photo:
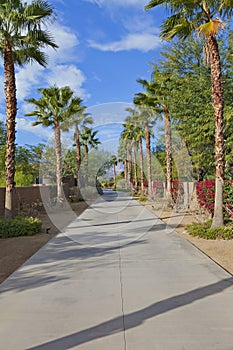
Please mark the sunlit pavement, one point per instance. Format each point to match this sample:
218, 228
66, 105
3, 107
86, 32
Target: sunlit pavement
117, 278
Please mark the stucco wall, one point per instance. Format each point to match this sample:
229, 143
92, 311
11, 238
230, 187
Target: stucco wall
28, 195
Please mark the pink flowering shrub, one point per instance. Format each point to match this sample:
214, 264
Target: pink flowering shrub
206, 196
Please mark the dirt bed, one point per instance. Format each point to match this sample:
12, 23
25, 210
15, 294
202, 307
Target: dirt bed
15, 251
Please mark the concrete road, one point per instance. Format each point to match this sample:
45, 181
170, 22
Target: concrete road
117, 278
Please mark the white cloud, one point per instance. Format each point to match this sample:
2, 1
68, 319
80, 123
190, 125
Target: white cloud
24, 124
26, 78
133, 41
67, 42
118, 3
60, 70
62, 75
140, 23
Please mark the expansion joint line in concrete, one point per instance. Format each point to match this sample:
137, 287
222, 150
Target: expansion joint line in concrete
122, 297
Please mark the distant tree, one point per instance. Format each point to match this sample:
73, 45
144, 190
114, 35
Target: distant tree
28, 160
69, 163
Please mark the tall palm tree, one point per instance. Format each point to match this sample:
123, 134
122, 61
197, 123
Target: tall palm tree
80, 121
23, 34
55, 108
158, 93
127, 137
122, 155
113, 162
186, 17
88, 140
147, 114
136, 123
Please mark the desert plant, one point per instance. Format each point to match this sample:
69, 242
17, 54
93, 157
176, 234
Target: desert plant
19, 227
205, 231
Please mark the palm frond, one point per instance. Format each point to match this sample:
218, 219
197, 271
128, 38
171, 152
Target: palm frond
39, 11
176, 25
40, 38
29, 55
212, 27
226, 7
154, 3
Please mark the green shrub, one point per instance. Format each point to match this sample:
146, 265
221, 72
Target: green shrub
228, 199
98, 187
22, 179
205, 231
19, 227
142, 199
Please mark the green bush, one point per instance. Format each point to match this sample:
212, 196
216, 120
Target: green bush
22, 179
228, 199
142, 199
19, 227
205, 231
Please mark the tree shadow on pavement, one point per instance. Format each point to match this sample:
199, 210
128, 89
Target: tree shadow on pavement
134, 319
57, 260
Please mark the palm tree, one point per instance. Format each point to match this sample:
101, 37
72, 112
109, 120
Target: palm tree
147, 115
113, 162
137, 126
81, 121
185, 18
88, 140
55, 108
23, 35
158, 93
122, 154
127, 137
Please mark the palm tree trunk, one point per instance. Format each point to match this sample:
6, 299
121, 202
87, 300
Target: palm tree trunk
57, 139
218, 104
135, 166
78, 155
148, 156
114, 174
11, 110
125, 172
141, 165
167, 126
129, 167
86, 163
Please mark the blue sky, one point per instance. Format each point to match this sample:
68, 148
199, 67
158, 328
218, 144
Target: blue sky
104, 47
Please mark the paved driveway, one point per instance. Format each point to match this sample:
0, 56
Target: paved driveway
117, 278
